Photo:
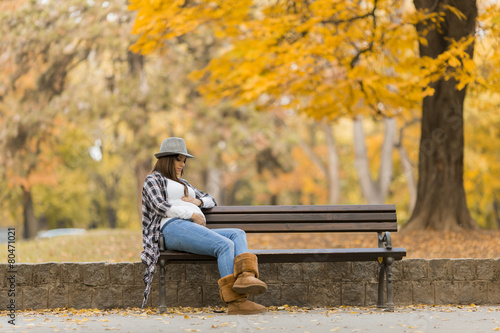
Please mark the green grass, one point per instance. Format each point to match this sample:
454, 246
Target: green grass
96, 245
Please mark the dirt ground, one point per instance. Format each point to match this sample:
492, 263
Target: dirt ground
420, 244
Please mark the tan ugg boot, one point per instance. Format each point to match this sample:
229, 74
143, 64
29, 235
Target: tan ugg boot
237, 303
246, 272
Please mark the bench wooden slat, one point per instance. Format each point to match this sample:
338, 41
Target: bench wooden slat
270, 227
304, 217
301, 209
297, 255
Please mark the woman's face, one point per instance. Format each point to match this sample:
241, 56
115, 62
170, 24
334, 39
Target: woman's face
180, 163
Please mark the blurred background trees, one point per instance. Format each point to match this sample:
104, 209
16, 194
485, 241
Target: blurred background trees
282, 103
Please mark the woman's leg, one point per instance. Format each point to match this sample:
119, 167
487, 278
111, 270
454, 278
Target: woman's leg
238, 236
190, 237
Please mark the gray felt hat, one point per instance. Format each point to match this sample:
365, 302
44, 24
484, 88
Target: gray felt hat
173, 146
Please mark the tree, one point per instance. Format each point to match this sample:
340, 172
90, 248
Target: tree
340, 59
441, 202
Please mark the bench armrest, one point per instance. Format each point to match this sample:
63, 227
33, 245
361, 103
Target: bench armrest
385, 237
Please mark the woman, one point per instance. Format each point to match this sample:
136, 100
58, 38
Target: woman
171, 208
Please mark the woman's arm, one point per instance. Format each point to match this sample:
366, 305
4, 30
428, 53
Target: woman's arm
207, 201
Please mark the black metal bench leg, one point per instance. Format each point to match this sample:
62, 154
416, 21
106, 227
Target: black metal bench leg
162, 290
381, 280
390, 294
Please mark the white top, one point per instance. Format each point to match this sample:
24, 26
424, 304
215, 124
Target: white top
180, 208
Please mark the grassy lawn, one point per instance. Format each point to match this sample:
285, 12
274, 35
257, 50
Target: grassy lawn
95, 245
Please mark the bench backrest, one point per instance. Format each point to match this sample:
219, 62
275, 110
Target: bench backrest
334, 218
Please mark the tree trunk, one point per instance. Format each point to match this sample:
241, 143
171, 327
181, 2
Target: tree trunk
29, 220
374, 192
331, 169
142, 169
496, 212
214, 179
441, 202
410, 180
333, 166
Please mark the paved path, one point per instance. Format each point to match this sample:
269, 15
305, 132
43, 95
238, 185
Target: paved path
413, 319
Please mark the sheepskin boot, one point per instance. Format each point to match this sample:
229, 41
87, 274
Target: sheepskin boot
237, 304
246, 273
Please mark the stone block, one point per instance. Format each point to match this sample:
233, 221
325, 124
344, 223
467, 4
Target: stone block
153, 300
294, 294
271, 297
324, 294
364, 271
211, 273
121, 273
3, 275
16, 297
190, 294
415, 269
211, 296
46, 273
58, 297
268, 272
195, 273
132, 296
397, 270
288, 272
107, 297
340, 271
440, 270
80, 296
464, 269
446, 292
317, 271
35, 297
403, 292
488, 269
95, 274
372, 294
71, 273
353, 293
138, 269
423, 292
473, 292
494, 292
24, 274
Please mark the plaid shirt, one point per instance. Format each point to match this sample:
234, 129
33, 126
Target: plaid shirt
155, 205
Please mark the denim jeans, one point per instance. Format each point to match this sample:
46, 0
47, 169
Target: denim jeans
224, 244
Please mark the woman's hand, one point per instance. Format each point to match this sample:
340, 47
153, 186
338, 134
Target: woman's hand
192, 200
199, 219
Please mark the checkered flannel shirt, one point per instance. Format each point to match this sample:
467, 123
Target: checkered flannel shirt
155, 205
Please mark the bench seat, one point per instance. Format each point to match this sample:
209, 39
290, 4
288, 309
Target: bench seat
298, 255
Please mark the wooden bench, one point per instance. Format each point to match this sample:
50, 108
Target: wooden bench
319, 219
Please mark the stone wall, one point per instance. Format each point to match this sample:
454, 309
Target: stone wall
103, 285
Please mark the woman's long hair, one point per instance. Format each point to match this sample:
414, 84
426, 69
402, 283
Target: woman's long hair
166, 166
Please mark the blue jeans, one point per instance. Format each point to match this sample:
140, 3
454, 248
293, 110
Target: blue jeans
224, 244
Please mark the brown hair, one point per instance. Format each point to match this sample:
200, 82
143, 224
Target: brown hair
166, 166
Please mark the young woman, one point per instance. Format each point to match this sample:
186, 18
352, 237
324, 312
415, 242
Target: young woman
171, 208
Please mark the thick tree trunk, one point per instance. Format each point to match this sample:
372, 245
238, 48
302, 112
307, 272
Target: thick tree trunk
30, 222
441, 202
